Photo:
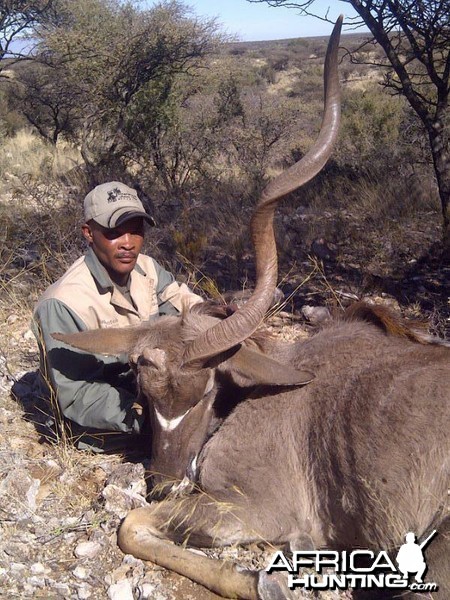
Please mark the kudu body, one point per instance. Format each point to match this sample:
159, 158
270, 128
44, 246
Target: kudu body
340, 441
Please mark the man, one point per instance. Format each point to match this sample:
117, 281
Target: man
112, 285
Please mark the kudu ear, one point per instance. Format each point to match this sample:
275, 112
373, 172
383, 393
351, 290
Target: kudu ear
253, 368
110, 342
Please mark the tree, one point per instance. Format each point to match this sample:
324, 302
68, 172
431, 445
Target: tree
111, 53
42, 96
415, 37
17, 18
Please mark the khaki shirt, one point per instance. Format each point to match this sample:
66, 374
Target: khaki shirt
96, 391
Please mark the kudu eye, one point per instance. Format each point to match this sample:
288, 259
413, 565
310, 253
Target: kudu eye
139, 360
142, 361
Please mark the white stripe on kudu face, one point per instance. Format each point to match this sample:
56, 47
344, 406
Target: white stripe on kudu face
170, 424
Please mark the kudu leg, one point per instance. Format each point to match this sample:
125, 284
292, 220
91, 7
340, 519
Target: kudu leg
142, 532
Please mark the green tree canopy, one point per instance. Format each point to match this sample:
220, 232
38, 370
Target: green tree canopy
111, 52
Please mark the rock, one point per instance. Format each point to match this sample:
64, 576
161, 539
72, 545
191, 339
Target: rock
147, 590
84, 591
121, 590
130, 477
18, 493
119, 502
29, 590
36, 581
6, 416
316, 314
107, 467
28, 335
62, 589
70, 522
136, 566
80, 572
118, 574
131, 560
100, 536
87, 550
17, 568
39, 569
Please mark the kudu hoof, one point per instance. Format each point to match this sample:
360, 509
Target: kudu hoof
274, 587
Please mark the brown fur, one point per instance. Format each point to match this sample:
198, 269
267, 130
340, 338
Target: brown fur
385, 319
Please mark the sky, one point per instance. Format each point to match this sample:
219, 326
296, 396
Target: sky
256, 22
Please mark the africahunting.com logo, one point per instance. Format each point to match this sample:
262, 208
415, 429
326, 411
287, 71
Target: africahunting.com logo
358, 569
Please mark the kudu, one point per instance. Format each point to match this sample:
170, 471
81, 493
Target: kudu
340, 441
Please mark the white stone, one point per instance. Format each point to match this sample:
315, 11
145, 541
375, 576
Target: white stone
87, 550
71, 521
119, 502
121, 591
18, 492
84, 592
129, 559
38, 569
147, 590
80, 572
37, 581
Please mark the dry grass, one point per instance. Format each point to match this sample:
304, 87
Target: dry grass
38, 220
27, 156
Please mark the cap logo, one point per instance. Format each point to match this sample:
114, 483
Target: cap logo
113, 195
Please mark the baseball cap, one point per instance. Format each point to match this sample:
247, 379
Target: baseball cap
111, 204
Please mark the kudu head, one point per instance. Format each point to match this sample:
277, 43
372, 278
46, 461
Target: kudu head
181, 363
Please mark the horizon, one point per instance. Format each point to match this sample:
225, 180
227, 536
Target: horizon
245, 21
250, 22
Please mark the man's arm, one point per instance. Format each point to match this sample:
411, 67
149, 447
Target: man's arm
91, 389
172, 296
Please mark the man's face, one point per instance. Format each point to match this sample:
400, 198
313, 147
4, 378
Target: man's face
117, 249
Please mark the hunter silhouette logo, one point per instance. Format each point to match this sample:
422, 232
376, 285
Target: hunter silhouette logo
357, 569
113, 195
410, 557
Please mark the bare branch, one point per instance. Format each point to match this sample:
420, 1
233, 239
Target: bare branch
17, 19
